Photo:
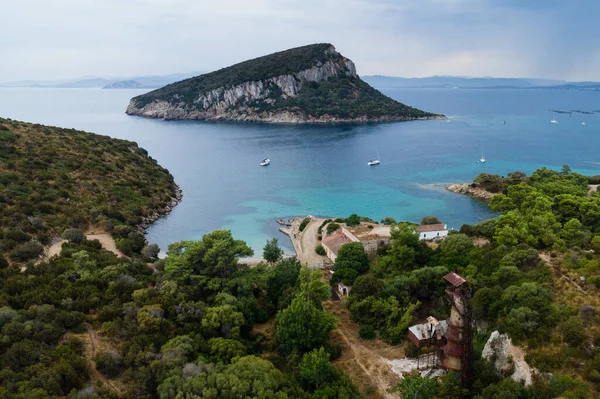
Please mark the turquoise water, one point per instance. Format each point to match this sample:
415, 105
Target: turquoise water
321, 170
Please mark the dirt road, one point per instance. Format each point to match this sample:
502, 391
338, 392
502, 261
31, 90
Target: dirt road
365, 361
107, 242
105, 239
306, 241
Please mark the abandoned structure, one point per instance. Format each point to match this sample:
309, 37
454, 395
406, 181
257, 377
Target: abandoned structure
429, 338
459, 345
448, 343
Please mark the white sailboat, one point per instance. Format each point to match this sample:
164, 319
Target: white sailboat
482, 159
375, 161
553, 118
582, 123
265, 162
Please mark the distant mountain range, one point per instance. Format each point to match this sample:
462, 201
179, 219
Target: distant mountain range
99, 82
378, 81
461, 82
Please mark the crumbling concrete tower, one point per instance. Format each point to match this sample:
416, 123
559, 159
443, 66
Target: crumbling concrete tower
459, 347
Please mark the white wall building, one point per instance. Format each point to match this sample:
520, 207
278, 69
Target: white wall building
431, 231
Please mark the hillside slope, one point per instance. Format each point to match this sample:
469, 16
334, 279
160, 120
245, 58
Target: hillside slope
52, 179
313, 83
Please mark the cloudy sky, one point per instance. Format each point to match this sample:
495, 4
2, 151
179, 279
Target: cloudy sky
62, 39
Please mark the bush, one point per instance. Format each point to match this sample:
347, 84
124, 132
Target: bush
332, 227
26, 251
3, 262
108, 363
320, 229
430, 220
320, 250
150, 251
366, 332
133, 244
353, 220
304, 223
388, 221
73, 235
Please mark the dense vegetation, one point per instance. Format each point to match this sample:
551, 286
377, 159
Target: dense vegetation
184, 330
52, 179
344, 96
535, 275
261, 68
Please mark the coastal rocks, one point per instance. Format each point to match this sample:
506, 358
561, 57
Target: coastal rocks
507, 358
474, 192
148, 220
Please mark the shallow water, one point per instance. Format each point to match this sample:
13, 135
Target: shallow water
321, 170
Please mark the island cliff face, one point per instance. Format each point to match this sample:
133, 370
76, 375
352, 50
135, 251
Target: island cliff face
306, 84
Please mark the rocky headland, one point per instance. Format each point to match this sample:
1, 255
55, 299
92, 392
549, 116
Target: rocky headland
468, 189
310, 84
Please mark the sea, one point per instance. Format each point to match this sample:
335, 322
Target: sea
322, 170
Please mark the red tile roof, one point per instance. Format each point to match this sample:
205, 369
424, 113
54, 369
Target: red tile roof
430, 227
335, 241
454, 279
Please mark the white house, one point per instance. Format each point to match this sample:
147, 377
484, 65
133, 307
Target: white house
431, 231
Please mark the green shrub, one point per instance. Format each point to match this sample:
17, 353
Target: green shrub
3, 262
150, 251
388, 221
109, 363
430, 220
304, 223
133, 244
320, 250
353, 220
320, 229
73, 235
26, 251
367, 332
332, 227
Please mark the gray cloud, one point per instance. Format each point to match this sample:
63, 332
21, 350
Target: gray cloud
72, 38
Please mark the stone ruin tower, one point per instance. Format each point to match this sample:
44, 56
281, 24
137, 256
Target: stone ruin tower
459, 337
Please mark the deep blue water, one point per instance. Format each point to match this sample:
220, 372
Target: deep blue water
321, 170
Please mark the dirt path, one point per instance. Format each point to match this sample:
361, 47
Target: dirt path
91, 348
105, 239
367, 362
55, 249
548, 259
107, 242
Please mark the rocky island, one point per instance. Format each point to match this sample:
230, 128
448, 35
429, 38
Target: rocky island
309, 84
124, 84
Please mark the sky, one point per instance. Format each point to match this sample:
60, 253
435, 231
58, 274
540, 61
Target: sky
65, 39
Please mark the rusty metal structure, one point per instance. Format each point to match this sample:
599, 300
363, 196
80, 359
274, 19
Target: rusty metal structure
459, 338
429, 338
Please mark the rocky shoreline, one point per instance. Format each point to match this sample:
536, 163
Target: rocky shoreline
148, 220
467, 189
166, 111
